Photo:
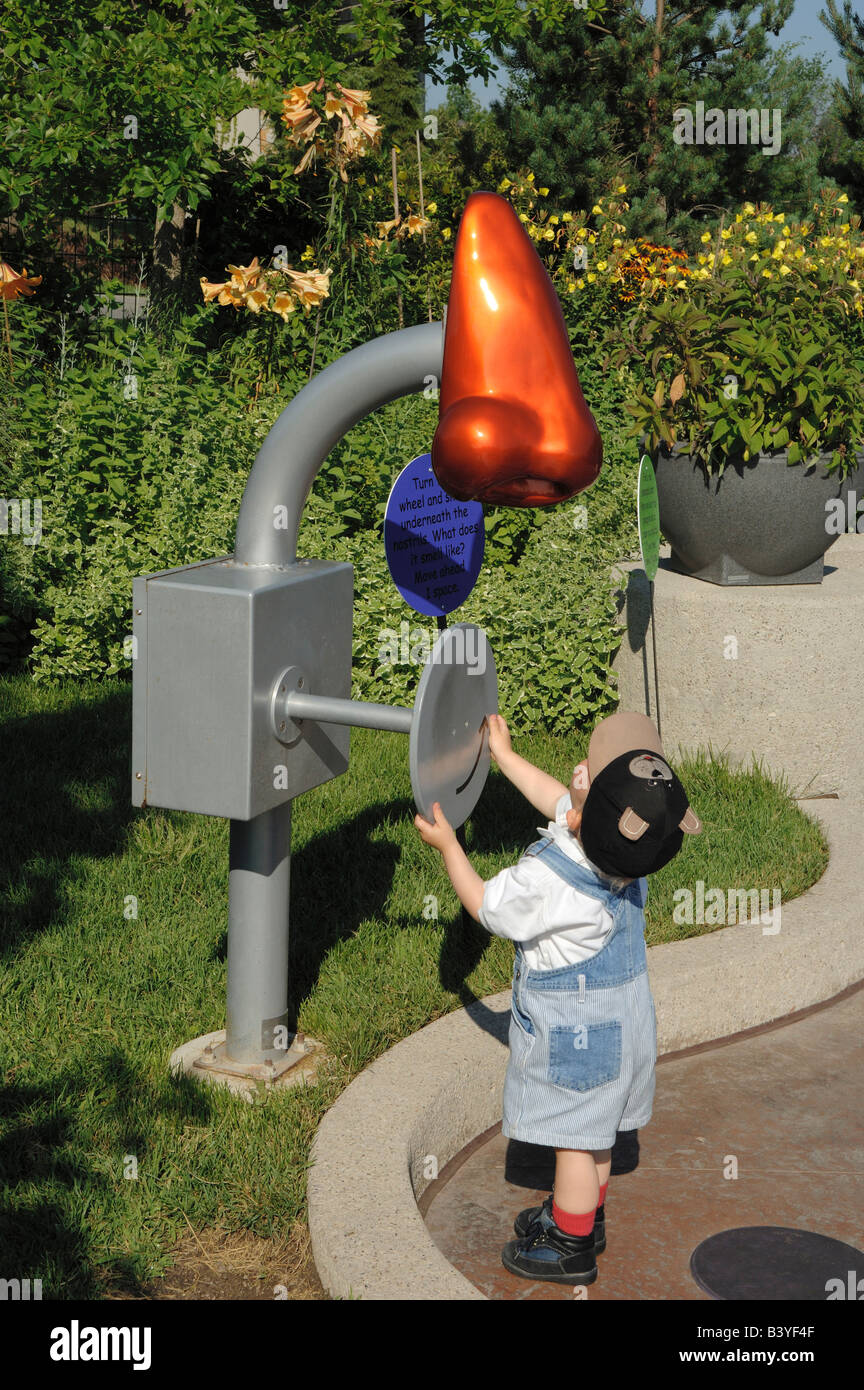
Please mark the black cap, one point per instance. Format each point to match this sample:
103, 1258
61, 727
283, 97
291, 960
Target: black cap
635, 815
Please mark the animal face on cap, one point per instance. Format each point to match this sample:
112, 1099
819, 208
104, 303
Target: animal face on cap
636, 813
651, 768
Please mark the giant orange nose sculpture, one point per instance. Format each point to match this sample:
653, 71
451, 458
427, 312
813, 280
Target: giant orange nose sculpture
513, 426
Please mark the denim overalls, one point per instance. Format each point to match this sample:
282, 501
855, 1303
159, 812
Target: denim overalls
583, 1038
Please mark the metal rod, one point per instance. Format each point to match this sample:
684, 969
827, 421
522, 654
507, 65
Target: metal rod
313, 422
258, 881
326, 709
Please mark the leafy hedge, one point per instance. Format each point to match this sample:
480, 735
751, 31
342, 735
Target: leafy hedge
140, 454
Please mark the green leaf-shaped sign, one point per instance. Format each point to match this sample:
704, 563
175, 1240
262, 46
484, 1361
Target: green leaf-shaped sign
648, 511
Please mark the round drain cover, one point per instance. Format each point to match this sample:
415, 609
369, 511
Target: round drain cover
775, 1262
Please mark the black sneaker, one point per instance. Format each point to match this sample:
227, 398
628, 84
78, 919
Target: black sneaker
526, 1219
549, 1254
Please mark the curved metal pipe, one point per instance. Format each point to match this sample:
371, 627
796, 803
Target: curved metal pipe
313, 423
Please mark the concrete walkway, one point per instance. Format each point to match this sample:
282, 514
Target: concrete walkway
415, 1109
783, 1102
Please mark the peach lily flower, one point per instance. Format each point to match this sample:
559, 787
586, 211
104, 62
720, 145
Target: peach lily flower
13, 285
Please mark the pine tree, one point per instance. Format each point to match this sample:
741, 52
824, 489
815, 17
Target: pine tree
845, 157
595, 103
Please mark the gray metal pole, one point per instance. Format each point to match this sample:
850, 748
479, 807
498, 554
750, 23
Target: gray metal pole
283, 473
326, 709
258, 882
333, 402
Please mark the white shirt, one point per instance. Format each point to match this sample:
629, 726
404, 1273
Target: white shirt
556, 923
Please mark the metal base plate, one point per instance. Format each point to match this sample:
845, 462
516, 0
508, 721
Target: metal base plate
204, 1059
449, 747
758, 1263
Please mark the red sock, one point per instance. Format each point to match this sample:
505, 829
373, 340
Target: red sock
573, 1223
602, 1197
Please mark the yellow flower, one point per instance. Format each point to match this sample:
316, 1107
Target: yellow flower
446, 233
310, 286
726, 233
356, 101
523, 217
548, 235
705, 237
544, 192
617, 241
785, 270
787, 231
431, 207
591, 278
530, 178
596, 208
767, 274
283, 305
726, 260
255, 300
842, 198
749, 209
567, 217
580, 232
571, 285
622, 188
755, 256
592, 237
210, 291
751, 237
415, 223
580, 284
504, 185
553, 220
704, 274
601, 265
245, 277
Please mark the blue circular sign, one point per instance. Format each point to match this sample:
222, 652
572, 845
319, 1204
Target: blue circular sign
434, 544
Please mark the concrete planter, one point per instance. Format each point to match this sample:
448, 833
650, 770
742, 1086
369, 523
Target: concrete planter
760, 522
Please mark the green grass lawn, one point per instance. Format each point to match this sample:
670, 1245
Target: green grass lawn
92, 1001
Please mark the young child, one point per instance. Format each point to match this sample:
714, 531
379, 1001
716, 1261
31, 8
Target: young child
583, 1037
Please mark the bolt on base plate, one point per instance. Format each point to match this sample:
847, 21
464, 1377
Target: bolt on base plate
204, 1059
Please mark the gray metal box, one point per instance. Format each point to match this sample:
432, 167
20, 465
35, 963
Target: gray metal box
210, 640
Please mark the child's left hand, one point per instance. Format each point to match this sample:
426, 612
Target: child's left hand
439, 835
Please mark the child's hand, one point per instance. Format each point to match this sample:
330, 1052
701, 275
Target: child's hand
499, 737
438, 835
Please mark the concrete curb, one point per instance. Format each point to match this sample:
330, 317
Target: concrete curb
398, 1123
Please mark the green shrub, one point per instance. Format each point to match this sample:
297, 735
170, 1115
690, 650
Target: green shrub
148, 479
139, 457
551, 619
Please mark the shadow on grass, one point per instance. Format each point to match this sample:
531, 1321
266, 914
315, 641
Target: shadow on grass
344, 876
65, 792
52, 1189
